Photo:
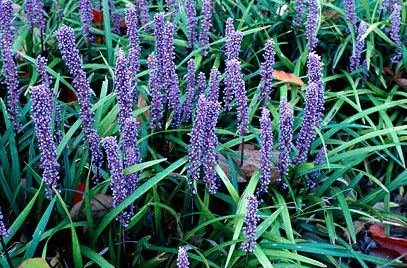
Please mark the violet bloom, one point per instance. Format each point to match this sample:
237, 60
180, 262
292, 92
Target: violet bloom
192, 22
356, 58
182, 258
131, 158
235, 87
172, 6
206, 24
9, 64
266, 149
122, 88
35, 13
314, 66
233, 42
85, 10
42, 104
201, 83
4, 232
307, 132
286, 136
350, 11
187, 107
70, 54
210, 141
395, 32
312, 25
300, 10
197, 142
134, 50
319, 160
171, 76
157, 98
229, 27
251, 219
115, 17
143, 13
117, 176
266, 81
213, 92
46, 80
160, 48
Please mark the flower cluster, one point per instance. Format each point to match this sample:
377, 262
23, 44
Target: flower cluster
34, 10
182, 258
192, 22
355, 59
267, 71
157, 97
189, 100
213, 92
233, 43
206, 24
4, 232
266, 150
115, 17
312, 25
42, 105
85, 10
143, 15
235, 87
70, 54
9, 64
300, 10
201, 83
251, 219
395, 29
286, 136
319, 160
122, 87
351, 14
203, 143
134, 50
314, 66
172, 7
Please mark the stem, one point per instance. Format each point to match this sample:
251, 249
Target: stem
42, 41
125, 259
242, 152
246, 261
6, 252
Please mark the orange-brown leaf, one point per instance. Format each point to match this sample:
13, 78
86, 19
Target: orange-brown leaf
288, 77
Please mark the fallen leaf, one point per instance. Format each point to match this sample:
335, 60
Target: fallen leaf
34, 263
100, 205
141, 102
333, 14
97, 16
391, 243
402, 83
384, 253
77, 197
288, 77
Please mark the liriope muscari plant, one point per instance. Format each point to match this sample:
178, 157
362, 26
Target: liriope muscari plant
300, 10
206, 25
312, 25
251, 219
190, 92
351, 14
266, 73
203, 144
4, 232
34, 10
142, 10
134, 49
42, 100
192, 22
213, 91
122, 88
182, 258
233, 42
70, 54
319, 159
201, 83
157, 97
115, 17
85, 11
356, 58
395, 31
9, 63
266, 149
286, 136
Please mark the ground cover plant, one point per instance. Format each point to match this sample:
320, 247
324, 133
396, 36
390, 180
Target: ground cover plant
203, 133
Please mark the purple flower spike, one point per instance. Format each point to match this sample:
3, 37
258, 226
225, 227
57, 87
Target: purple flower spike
143, 12
135, 50
172, 7
356, 58
210, 157
206, 24
266, 150
286, 136
41, 67
307, 132
229, 28
300, 10
35, 13
192, 22
197, 142
234, 40
187, 107
70, 54
85, 10
157, 98
182, 259
122, 88
319, 160
251, 219
4, 232
267, 71
117, 176
395, 32
171, 76
351, 14
235, 87
201, 83
9, 64
312, 25
213, 93
115, 17
314, 66
42, 105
